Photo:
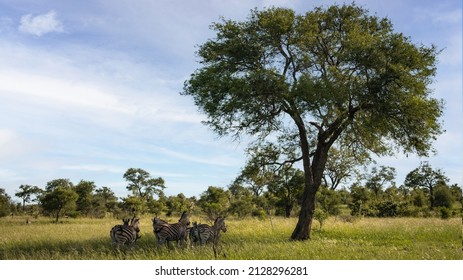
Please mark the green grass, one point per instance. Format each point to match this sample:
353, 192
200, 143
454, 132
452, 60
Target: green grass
249, 239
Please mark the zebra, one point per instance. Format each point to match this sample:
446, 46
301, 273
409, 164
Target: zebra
193, 233
203, 233
157, 225
166, 232
126, 233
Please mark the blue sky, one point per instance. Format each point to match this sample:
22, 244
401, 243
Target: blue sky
91, 88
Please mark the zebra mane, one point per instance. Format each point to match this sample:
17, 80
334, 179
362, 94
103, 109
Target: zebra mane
134, 221
184, 218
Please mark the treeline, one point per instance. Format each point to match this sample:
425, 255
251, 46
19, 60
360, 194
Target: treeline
257, 191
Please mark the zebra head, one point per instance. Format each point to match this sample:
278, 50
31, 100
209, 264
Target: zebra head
158, 223
184, 219
220, 224
135, 223
126, 221
194, 232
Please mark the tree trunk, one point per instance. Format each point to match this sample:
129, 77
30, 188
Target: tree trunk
431, 196
313, 180
304, 224
57, 214
313, 171
288, 209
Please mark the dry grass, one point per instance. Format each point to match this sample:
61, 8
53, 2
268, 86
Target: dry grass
368, 238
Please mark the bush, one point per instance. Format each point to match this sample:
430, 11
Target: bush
329, 201
443, 197
320, 215
387, 209
444, 212
259, 213
5, 204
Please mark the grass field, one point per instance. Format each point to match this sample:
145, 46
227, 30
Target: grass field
249, 239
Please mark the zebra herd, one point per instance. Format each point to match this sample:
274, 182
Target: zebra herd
129, 232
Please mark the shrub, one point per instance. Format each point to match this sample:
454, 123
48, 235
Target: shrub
387, 209
320, 215
444, 212
443, 197
259, 213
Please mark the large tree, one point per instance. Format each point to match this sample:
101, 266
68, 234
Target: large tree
331, 75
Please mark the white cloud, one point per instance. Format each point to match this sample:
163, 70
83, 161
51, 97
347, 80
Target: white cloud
94, 168
13, 146
41, 24
60, 91
217, 160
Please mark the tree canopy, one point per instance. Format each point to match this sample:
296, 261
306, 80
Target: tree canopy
331, 75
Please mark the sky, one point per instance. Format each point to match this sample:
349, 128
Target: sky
91, 88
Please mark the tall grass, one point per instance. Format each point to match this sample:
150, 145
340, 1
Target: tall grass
367, 238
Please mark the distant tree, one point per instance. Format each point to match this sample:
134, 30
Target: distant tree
287, 186
457, 193
141, 183
341, 165
133, 205
361, 198
53, 184
241, 200
418, 197
26, 192
378, 178
443, 196
427, 178
214, 202
59, 199
5, 203
157, 206
329, 201
257, 173
177, 204
335, 74
107, 197
85, 202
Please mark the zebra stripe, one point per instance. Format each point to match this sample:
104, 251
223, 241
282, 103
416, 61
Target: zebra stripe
157, 225
166, 232
203, 233
125, 234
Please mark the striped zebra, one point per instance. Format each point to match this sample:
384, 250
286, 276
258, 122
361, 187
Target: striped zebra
193, 233
166, 232
157, 225
126, 234
203, 233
